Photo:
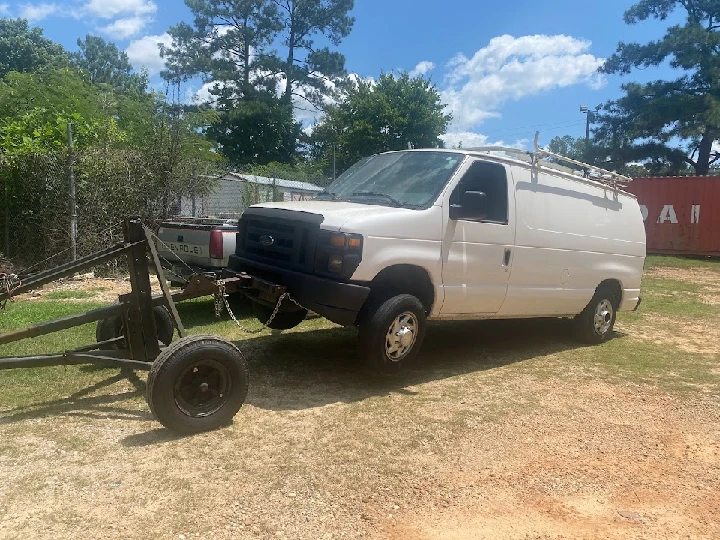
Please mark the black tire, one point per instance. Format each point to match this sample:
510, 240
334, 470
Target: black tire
284, 320
596, 322
113, 328
108, 329
197, 384
375, 328
165, 324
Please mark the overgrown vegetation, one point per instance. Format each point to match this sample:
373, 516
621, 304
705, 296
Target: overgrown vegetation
663, 126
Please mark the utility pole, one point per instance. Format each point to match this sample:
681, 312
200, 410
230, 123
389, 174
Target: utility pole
333, 162
72, 198
589, 114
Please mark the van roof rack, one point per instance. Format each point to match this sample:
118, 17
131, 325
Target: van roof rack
591, 172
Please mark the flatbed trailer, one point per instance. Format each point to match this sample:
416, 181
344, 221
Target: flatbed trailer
195, 384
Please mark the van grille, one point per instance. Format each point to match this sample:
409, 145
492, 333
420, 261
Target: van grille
280, 242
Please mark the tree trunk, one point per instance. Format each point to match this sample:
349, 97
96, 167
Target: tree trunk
289, 68
704, 152
246, 58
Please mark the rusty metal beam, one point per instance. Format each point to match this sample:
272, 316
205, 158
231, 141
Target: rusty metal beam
104, 359
163, 283
43, 278
64, 323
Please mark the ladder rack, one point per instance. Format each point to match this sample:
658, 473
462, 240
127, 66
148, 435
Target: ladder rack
590, 172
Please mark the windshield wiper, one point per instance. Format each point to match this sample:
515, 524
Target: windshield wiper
329, 194
393, 200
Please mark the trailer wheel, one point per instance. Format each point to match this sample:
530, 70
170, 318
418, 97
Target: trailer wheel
284, 320
112, 328
596, 322
197, 384
391, 333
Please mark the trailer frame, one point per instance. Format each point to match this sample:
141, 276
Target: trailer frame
139, 348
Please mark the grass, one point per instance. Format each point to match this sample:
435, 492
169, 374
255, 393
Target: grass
319, 353
69, 295
668, 261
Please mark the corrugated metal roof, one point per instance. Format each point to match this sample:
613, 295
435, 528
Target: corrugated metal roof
279, 182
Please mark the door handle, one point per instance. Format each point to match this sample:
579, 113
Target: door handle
506, 260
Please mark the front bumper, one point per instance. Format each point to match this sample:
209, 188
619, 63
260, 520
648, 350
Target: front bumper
337, 302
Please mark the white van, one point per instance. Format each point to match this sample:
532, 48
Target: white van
489, 233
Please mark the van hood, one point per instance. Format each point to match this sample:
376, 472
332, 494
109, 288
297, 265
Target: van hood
338, 214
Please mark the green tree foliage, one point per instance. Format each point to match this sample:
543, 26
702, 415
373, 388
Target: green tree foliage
26, 50
106, 65
568, 146
670, 123
256, 131
377, 117
135, 153
306, 68
231, 46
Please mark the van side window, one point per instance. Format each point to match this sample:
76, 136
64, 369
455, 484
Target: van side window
491, 179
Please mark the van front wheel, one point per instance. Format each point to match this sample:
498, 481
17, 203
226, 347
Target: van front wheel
391, 333
595, 324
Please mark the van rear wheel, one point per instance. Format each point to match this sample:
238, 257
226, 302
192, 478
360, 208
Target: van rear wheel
596, 322
391, 333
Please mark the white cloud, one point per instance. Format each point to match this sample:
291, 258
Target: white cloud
145, 52
125, 28
470, 139
511, 68
36, 12
4, 9
109, 9
422, 68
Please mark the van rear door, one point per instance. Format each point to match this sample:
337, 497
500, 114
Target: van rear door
478, 253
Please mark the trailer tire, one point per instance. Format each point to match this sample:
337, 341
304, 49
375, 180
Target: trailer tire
404, 312
284, 320
112, 328
197, 384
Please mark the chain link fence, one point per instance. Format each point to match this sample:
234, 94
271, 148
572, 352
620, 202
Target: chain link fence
110, 186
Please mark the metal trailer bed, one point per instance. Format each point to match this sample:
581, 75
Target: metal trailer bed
195, 384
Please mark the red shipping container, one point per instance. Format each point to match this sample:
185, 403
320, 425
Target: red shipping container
682, 213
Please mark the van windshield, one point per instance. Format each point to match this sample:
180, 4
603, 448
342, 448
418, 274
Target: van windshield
402, 179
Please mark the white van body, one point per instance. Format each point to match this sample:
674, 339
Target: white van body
551, 238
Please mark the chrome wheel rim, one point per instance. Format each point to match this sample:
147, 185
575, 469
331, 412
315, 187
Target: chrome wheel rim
603, 317
401, 336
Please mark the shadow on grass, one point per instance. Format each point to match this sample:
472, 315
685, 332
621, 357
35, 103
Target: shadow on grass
82, 404
306, 369
301, 370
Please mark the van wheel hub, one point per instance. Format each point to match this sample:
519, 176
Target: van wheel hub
603, 317
401, 336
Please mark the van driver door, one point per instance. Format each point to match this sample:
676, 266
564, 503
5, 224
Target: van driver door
478, 241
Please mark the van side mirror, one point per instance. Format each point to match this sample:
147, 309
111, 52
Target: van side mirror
473, 205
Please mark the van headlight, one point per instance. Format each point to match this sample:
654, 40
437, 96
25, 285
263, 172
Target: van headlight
338, 254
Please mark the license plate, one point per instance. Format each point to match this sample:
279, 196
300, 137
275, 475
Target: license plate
186, 249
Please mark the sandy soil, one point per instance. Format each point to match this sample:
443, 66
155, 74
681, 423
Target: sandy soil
511, 440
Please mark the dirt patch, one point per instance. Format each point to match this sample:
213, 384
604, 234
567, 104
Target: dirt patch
487, 454
92, 289
640, 465
693, 336
698, 276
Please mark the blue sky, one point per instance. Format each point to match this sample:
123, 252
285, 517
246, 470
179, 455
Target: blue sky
504, 69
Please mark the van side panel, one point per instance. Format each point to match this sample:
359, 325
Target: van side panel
571, 236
